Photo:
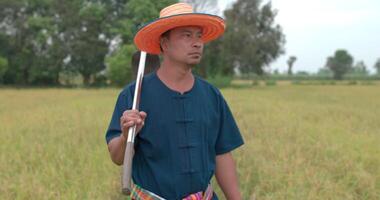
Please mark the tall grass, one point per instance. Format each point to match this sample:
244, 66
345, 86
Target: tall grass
310, 142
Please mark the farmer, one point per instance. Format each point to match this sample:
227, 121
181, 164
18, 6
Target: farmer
186, 131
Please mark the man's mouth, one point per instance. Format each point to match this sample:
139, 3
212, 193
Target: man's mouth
195, 54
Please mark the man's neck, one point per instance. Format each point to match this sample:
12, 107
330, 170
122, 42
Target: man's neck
177, 76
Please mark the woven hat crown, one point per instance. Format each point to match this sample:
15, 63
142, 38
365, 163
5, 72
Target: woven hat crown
176, 9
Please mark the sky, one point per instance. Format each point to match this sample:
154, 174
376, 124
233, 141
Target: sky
315, 29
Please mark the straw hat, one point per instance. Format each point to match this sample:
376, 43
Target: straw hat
177, 15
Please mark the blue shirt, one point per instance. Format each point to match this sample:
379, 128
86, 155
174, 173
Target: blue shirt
175, 151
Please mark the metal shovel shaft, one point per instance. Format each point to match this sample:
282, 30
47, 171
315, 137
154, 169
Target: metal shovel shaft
129, 150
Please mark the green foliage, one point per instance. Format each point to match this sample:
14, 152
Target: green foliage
220, 81
119, 65
270, 83
297, 82
340, 63
367, 82
302, 73
359, 69
43, 39
136, 14
3, 67
31, 49
213, 61
87, 48
377, 66
352, 82
290, 62
252, 40
325, 72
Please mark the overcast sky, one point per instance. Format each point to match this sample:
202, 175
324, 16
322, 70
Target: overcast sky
315, 29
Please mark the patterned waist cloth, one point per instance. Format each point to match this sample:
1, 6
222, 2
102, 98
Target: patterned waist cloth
139, 193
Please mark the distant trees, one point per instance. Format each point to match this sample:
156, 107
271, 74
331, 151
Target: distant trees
340, 63
41, 40
45, 38
3, 67
377, 66
359, 69
46, 42
133, 16
325, 71
252, 40
290, 62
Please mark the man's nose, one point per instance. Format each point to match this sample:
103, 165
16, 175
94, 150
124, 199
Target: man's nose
198, 43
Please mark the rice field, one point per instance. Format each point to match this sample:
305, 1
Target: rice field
301, 142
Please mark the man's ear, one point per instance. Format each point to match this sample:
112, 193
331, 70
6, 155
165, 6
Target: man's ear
163, 44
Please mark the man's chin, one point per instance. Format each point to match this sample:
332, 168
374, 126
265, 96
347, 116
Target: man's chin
194, 62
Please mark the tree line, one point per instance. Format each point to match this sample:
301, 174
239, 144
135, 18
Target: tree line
52, 42
337, 66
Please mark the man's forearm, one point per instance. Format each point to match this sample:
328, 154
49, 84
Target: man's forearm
116, 147
227, 177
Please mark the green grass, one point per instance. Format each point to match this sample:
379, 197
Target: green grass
309, 142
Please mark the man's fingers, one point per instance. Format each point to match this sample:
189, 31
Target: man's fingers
128, 124
132, 122
127, 114
143, 114
131, 118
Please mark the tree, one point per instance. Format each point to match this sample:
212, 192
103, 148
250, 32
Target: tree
28, 25
377, 66
302, 73
252, 40
359, 69
291, 61
340, 63
135, 14
3, 67
83, 30
119, 67
325, 71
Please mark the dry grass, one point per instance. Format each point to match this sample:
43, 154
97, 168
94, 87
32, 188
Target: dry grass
302, 142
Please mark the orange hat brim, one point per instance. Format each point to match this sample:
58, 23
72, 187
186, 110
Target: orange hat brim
148, 37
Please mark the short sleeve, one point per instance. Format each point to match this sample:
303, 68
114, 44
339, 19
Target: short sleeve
229, 137
124, 102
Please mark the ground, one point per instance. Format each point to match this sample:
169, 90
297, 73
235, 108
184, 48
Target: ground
301, 142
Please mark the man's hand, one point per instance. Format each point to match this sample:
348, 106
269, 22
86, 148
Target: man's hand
131, 118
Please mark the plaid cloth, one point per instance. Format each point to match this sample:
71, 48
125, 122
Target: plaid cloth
139, 193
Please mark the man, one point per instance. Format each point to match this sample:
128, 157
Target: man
185, 128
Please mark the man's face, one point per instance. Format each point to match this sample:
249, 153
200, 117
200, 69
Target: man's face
184, 45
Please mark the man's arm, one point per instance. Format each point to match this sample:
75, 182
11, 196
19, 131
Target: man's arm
227, 177
117, 145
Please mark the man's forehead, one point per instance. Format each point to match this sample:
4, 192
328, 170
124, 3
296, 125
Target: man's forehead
187, 29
